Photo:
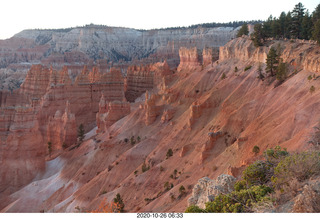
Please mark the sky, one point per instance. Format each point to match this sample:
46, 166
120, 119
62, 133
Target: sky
17, 15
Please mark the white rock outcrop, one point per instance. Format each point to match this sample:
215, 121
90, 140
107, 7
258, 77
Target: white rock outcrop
207, 189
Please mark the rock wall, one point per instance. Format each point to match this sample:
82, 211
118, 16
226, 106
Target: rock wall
110, 112
300, 54
146, 77
189, 59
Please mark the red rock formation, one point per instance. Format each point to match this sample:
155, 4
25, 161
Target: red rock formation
111, 112
152, 111
207, 56
189, 59
43, 117
62, 129
142, 78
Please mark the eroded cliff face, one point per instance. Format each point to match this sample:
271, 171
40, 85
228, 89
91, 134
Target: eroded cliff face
49, 107
210, 122
78, 46
146, 77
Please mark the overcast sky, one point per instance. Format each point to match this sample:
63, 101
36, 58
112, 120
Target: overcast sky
17, 15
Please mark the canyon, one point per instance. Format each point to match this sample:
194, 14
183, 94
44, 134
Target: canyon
209, 114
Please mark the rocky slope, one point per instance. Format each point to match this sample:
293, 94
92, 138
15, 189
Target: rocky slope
210, 122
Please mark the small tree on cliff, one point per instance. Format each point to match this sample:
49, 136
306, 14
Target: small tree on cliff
118, 200
81, 133
243, 30
272, 62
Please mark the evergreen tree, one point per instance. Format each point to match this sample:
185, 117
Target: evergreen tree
276, 28
258, 35
81, 132
316, 15
118, 200
297, 17
267, 27
243, 30
282, 24
306, 31
272, 62
281, 73
316, 32
287, 33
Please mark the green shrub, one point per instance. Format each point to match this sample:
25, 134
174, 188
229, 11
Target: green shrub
275, 155
247, 68
195, 209
256, 149
223, 76
236, 69
238, 201
240, 185
144, 167
312, 89
309, 77
300, 166
169, 153
257, 173
182, 190
132, 140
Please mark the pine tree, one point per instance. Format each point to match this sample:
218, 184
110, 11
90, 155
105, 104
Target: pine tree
288, 22
306, 30
281, 73
272, 62
118, 200
243, 30
316, 32
297, 17
258, 35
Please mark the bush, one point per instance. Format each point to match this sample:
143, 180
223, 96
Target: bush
81, 132
223, 76
275, 155
309, 77
195, 209
247, 68
236, 69
132, 140
257, 173
182, 190
240, 185
169, 153
297, 166
256, 149
312, 89
238, 201
144, 167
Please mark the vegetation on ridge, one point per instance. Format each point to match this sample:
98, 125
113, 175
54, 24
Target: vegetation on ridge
264, 179
296, 24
